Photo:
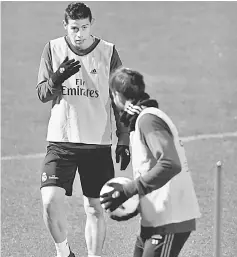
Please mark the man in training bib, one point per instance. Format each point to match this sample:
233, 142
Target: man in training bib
168, 203
74, 74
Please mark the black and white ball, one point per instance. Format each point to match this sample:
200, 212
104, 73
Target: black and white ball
128, 207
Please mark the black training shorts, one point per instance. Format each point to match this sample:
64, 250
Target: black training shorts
95, 167
168, 245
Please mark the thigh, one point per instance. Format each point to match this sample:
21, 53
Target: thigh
178, 243
52, 195
59, 169
95, 167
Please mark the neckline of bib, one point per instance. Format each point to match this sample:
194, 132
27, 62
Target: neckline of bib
83, 51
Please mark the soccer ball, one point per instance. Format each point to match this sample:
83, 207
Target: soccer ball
128, 207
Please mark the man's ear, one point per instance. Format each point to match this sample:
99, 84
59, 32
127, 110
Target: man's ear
112, 93
64, 24
92, 21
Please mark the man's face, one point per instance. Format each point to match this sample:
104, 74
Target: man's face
78, 31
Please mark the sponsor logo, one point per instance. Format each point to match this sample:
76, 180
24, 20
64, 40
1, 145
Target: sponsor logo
80, 90
156, 239
53, 177
93, 71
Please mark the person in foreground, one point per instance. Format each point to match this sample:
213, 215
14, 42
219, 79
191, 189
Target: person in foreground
168, 204
74, 74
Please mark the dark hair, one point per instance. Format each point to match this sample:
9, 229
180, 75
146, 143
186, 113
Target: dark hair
129, 83
77, 11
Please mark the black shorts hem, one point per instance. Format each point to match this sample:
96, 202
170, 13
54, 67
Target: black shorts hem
91, 195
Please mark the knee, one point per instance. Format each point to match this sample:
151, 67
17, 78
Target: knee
93, 208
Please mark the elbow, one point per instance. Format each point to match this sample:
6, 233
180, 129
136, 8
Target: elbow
176, 167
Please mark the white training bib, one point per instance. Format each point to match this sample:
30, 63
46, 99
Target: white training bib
82, 114
176, 201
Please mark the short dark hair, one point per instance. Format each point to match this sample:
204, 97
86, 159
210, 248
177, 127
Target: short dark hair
129, 83
77, 11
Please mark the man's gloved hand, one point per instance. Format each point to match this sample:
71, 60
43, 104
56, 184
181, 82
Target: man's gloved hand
122, 153
113, 199
66, 69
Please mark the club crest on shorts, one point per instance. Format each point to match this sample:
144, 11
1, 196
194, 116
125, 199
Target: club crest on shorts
44, 177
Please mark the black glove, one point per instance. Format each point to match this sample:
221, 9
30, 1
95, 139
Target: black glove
122, 152
113, 199
66, 69
124, 218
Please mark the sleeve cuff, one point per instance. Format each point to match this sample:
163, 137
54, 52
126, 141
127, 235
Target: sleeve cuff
52, 86
135, 187
130, 189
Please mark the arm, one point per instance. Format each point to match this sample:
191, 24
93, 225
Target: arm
115, 61
121, 132
46, 89
158, 139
